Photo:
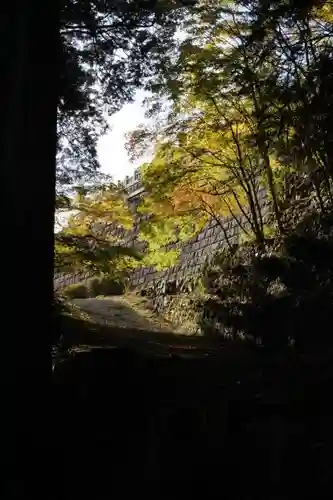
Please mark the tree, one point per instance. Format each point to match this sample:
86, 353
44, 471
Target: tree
54, 56
281, 298
207, 168
298, 38
107, 50
214, 150
248, 98
96, 237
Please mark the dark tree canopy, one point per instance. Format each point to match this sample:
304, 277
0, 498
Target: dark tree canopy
109, 48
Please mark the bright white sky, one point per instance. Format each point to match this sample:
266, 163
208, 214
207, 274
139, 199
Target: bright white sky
111, 148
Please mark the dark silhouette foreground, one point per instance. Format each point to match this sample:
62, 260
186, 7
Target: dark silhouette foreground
251, 420
126, 418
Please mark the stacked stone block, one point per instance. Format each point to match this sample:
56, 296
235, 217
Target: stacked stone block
194, 254
199, 250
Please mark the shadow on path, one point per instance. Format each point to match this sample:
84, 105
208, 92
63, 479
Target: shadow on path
114, 323
140, 409
117, 311
124, 416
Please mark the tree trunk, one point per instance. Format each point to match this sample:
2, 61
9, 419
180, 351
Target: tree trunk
271, 184
29, 44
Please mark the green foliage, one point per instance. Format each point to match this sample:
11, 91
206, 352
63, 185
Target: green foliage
76, 291
107, 51
211, 160
249, 108
92, 285
161, 236
281, 297
106, 285
96, 286
160, 258
113, 286
94, 238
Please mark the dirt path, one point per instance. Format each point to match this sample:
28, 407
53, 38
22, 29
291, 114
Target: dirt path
123, 312
127, 321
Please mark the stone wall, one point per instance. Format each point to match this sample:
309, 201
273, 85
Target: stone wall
194, 254
62, 279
